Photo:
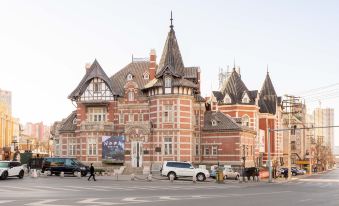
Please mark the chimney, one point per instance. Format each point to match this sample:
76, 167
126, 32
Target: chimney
87, 66
152, 64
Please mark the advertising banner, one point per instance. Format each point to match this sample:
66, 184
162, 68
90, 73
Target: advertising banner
113, 148
262, 140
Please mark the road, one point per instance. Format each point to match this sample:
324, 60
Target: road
55, 191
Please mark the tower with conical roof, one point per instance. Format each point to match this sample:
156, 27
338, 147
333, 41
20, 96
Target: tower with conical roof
270, 117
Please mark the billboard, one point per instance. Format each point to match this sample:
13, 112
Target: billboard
113, 148
261, 142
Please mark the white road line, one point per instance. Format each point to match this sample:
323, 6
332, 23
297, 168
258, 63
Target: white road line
319, 180
305, 200
93, 201
167, 198
6, 201
23, 188
45, 203
57, 188
86, 188
134, 200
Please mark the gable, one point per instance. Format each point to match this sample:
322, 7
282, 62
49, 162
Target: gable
97, 89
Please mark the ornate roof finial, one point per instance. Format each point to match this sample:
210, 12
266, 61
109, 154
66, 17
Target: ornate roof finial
234, 63
267, 69
171, 21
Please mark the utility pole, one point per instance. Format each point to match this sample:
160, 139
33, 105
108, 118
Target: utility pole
269, 154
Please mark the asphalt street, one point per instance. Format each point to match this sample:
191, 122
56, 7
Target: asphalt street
55, 191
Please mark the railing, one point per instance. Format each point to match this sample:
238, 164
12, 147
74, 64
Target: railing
97, 126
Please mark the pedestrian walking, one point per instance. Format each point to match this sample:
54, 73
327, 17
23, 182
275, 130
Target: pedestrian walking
91, 170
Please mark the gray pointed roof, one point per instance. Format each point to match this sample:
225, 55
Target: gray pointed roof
267, 88
235, 88
268, 98
94, 71
171, 59
67, 125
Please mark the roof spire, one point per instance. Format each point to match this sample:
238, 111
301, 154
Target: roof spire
267, 69
234, 63
171, 26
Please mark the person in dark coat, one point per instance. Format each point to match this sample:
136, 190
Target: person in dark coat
91, 170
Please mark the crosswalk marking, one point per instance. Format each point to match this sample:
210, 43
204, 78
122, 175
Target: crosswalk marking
57, 188
5, 201
87, 188
45, 203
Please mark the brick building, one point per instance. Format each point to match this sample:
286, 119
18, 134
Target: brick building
149, 112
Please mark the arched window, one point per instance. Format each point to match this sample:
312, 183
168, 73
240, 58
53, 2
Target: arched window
130, 96
214, 122
168, 82
245, 121
129, 77
146, 75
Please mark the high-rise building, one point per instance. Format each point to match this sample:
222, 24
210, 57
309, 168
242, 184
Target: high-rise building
324, 118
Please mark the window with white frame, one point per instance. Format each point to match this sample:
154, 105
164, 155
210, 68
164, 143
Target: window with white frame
227, 99
130, 96
214, 122
92, 146
245, 121
146, 75
72, 145
167, 114
214, 150
130, 117
168, 146
96, 114
129, 77
245, 99
168, 82
121, 118
206, 150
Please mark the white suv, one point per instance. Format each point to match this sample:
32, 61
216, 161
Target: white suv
11, 169
173, 169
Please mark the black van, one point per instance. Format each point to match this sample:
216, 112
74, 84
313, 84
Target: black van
56, 165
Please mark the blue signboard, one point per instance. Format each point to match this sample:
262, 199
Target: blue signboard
113, 148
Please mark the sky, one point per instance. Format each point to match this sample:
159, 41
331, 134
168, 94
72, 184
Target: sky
44, 46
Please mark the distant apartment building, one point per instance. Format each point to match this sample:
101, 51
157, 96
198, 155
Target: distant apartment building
37, 130
324, 117
9, 127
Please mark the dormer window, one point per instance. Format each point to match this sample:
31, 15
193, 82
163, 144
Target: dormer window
75, 121
214, 122
146, 75
227, 99
129, 77
168, 82
130, 96
168, 85
245, 99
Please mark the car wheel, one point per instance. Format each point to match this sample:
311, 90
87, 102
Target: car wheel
171, 175
4, 175
21, 174
201, 177
237, 177
225, 177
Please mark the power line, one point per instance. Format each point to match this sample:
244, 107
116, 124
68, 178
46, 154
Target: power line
317, 89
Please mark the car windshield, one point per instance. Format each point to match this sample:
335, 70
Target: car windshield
3, 164
77, 162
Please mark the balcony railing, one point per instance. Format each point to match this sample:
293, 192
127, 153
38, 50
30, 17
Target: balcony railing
97, 126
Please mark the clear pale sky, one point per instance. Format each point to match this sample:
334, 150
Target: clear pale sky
44, 45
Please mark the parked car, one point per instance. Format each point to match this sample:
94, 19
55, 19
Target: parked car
298, 171
251, 172
11, 169
56, 165
294, 171
228, 173
174, 169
